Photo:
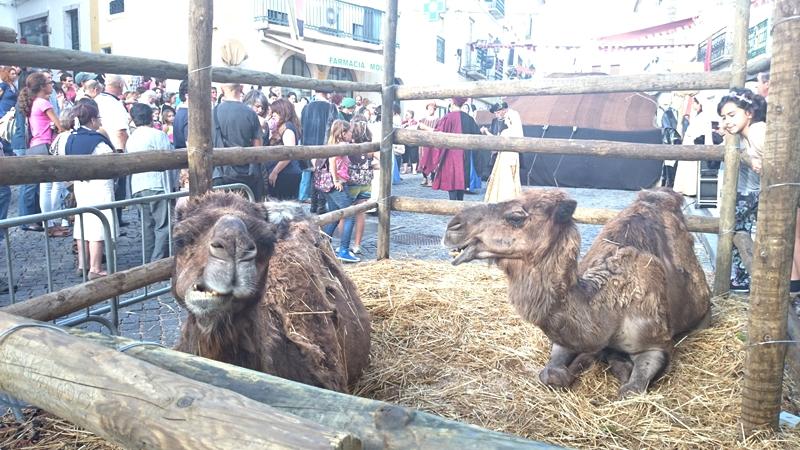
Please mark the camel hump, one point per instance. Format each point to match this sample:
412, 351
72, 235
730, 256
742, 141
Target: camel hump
664, 197
284, 213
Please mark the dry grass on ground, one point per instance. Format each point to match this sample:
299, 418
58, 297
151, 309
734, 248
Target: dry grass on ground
446, 341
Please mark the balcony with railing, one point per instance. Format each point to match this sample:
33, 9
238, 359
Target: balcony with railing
330, 17
481, 64
758, 40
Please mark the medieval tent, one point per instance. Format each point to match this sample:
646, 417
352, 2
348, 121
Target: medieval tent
623, 117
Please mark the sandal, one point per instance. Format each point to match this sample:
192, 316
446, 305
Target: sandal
96, 275
58, 232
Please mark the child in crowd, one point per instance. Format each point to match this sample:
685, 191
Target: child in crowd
361, 174
745, 113
331, 177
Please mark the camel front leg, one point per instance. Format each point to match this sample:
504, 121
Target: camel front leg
564, 366
646, 366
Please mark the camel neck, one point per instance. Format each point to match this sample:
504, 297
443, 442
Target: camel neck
538, 289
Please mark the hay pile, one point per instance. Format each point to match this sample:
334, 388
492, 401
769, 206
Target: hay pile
445, 340
42, 431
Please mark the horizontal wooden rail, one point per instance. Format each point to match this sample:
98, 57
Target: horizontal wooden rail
75, 298
54, 58
61, 303
559, 146
139, 405
594, 84
334, 216
592, 216
377, 424
37, 169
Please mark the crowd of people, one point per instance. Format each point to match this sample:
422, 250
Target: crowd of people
91, 113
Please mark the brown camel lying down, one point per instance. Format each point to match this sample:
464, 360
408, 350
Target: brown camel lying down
639, 286
264, 291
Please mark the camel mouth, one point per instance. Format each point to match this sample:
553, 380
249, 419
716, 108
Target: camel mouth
462, 254
202, 299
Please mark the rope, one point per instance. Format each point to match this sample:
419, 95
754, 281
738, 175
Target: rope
785, 19
200, 69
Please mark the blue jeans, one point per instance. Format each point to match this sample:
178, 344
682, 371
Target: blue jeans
28, 194
396, 161
306, 185
340, 200
51, 198
5, 199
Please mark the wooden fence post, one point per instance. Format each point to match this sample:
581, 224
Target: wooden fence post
772, 261
138, 405
387, 104
727, 209
201, 20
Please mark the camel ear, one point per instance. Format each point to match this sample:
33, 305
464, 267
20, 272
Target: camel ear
564, 211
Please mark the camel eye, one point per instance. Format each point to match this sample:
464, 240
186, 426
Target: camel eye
516, 218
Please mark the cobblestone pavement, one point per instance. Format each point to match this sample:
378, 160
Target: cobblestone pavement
414, 236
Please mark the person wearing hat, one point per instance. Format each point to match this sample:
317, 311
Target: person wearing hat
348, 108
426, 163
80, 79
454, 165
504, 182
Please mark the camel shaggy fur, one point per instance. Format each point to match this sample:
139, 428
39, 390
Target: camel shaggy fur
637, 289
264, 291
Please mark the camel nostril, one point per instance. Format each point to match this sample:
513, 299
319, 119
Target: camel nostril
455, 225
247, 252
218, 250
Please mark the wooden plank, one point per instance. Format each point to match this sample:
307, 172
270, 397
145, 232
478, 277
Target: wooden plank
8, 34
594, 216
199, 145
38, 56
36, 169
138, 405
388, 98
57, 304
559, 146
769, 287
574, 85
377, 424
727, 204
334, 216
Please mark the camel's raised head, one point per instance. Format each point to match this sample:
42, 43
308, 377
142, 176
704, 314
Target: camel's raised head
222, 246
522, 228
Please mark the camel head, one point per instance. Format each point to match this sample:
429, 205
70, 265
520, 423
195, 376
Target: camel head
519, 229
222, 245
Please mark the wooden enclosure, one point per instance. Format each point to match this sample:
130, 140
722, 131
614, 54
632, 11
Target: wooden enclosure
772, 254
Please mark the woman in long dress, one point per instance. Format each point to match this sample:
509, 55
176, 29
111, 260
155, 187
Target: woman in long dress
85, 140
504, 183
427, 165
687, 172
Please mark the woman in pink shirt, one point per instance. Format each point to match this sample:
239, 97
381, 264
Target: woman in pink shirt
34, 104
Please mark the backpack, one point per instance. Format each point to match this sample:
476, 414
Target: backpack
8, 125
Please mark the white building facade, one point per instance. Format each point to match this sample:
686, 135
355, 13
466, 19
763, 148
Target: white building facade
53, 23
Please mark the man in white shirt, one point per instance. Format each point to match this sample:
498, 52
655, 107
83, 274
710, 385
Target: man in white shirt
114, 119
155, 216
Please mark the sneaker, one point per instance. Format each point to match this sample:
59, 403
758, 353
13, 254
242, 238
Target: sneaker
794, 287
347, 256
743, 288
356, 249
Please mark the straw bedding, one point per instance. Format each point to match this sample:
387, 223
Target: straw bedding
446, 341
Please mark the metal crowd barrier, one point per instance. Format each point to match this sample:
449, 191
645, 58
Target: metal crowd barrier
96, 313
